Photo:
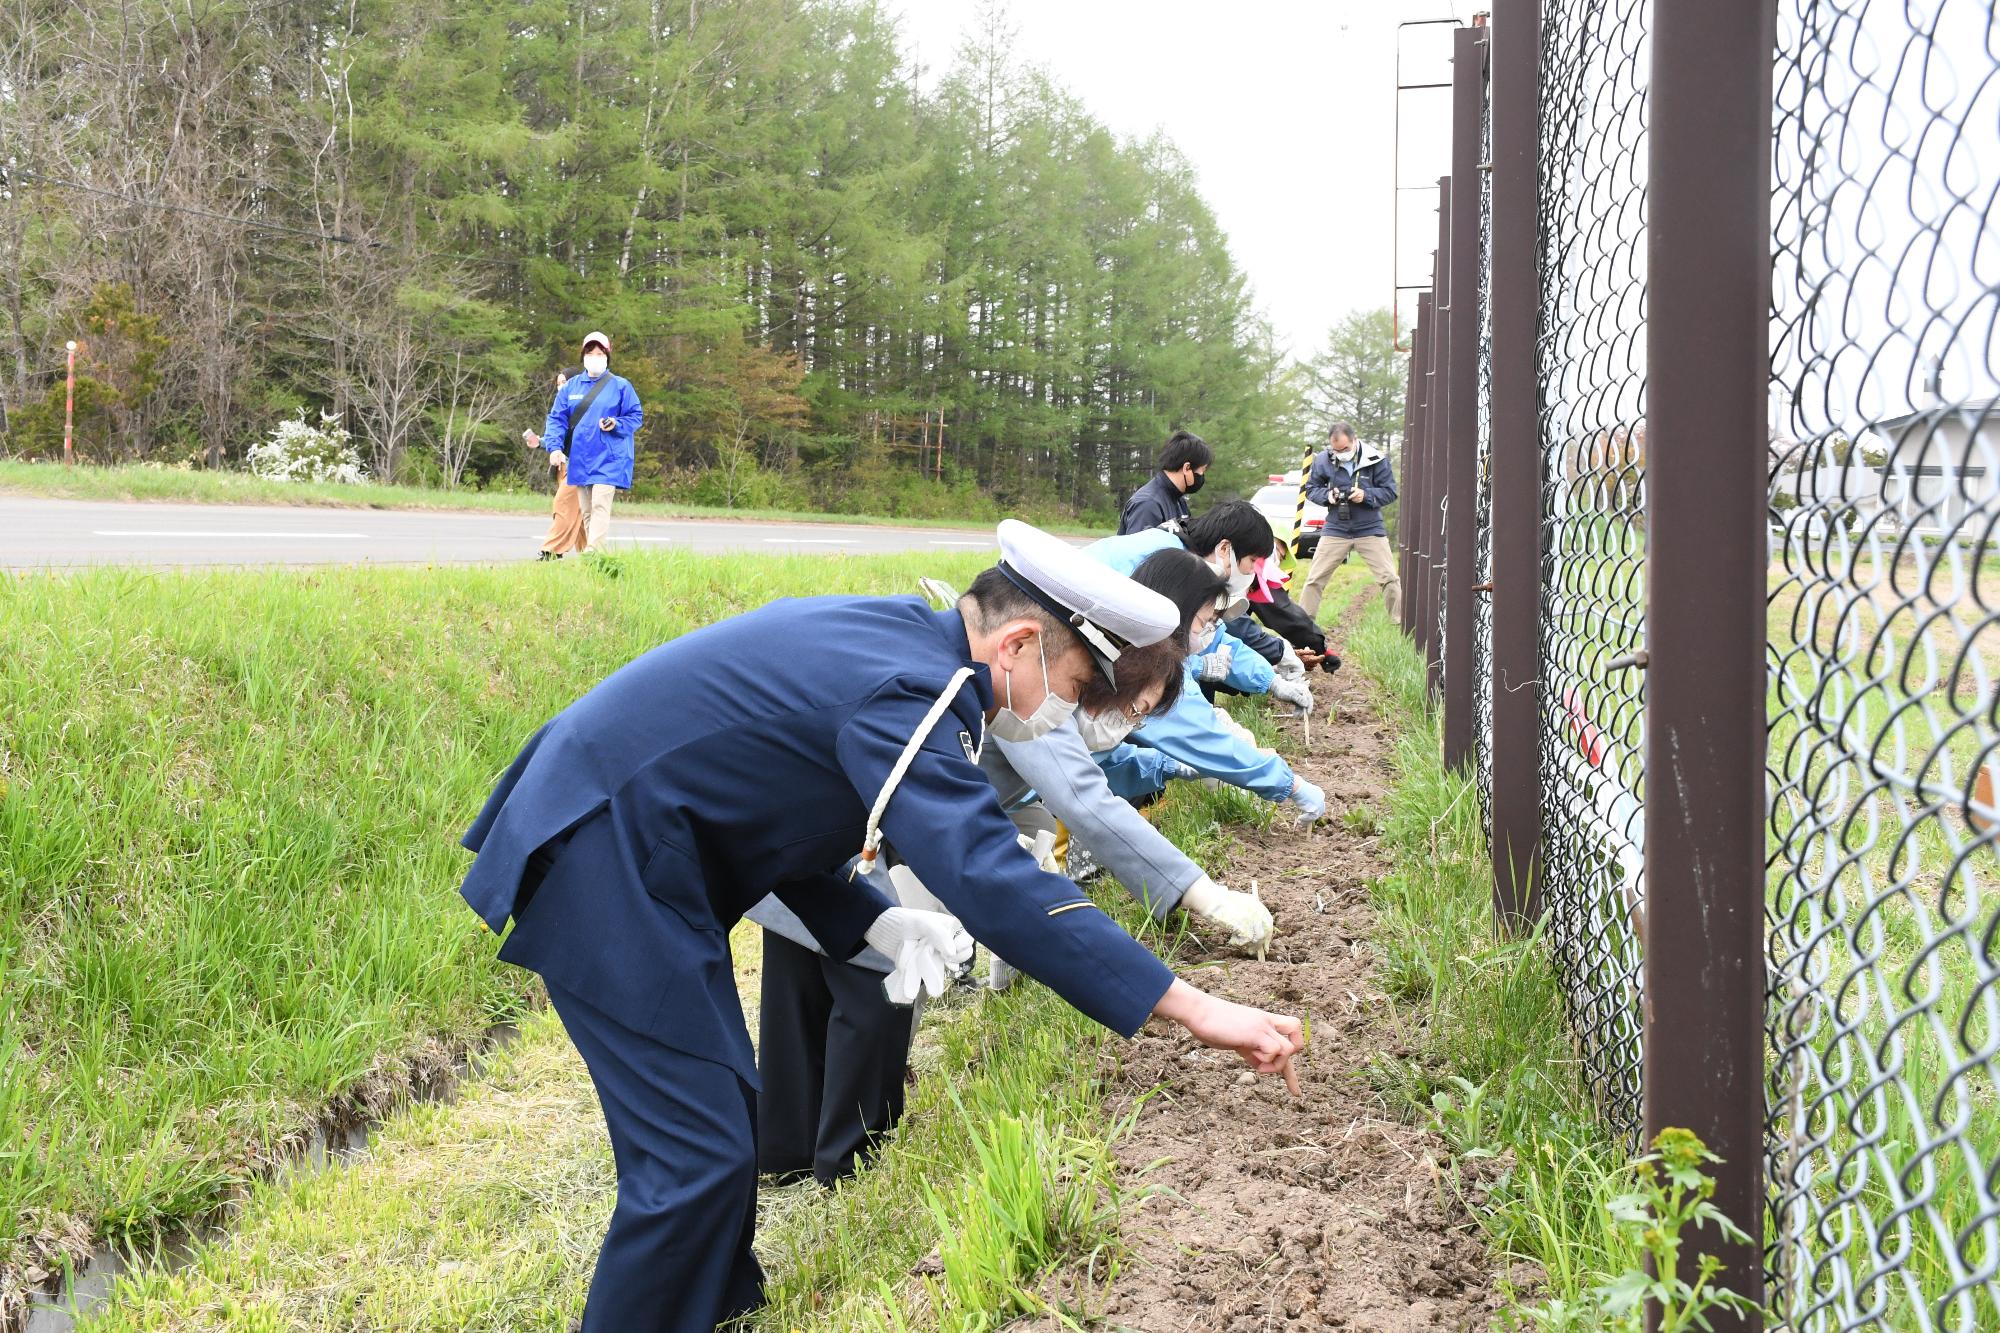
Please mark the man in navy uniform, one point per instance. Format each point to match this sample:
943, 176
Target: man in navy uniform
635, 828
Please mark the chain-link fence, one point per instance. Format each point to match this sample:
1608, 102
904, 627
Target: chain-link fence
1880, 910
1592, 361
1881, 1167
1884, 1021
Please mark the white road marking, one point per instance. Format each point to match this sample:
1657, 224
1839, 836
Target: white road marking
936, 542
261, 536
810, 541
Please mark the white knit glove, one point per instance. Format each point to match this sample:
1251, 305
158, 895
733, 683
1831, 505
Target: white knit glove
1289, 666
1247, 920
1294, 692
1215, 666
1310, 800
557, 458
924, 946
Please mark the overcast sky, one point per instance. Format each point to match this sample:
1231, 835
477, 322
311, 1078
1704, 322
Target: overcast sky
1286, 109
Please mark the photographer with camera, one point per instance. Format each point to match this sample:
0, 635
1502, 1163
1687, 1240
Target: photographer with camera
1354, 481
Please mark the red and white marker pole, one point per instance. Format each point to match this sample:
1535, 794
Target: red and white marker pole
69, 407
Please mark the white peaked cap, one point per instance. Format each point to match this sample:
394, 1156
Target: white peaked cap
1108, 611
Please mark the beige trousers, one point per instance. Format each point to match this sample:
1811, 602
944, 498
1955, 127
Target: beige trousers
565, 516
1332, 553
597, 516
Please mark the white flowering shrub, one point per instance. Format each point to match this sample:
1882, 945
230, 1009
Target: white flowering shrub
297, 451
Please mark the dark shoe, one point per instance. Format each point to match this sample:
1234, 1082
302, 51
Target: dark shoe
548, 555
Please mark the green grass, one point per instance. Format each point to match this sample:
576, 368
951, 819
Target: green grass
1490, 1063
229, 811
227, 898
204, 487
485, 1214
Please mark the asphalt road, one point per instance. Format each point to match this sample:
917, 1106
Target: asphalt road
42, 534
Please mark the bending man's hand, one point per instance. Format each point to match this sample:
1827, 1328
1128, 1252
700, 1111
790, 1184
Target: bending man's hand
926, 948
1266, 1042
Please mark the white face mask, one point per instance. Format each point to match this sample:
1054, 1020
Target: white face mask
1102, 731
1203, 640
1239, 582
594, 364
1053, 711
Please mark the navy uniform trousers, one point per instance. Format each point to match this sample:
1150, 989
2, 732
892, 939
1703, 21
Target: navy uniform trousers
683, 1135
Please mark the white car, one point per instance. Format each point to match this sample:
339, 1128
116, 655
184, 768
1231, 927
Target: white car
1278, 501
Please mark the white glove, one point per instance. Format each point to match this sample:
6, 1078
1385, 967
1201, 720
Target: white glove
1289, 666
1185, 772
557, 458
1294, 692
924, 946
1310, 800
1247, 920
1215, 665
909, 891
1000, 974
1043, 848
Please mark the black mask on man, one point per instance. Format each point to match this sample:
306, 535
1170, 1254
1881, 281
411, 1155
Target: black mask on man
1199, 478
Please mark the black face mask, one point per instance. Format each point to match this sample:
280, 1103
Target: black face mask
1199, 478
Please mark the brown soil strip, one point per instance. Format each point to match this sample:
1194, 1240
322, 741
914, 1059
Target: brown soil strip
1267, 1212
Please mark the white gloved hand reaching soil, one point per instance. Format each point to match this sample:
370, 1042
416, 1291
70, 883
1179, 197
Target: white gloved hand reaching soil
1246, 919
1290, 667
925, 947
1293, 692
1310, 800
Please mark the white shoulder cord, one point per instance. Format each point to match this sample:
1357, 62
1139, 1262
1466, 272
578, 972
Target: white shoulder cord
872, 843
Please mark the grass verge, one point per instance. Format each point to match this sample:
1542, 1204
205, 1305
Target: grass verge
227, 900
229, 810
1491, 1067
485, 1214
167, 484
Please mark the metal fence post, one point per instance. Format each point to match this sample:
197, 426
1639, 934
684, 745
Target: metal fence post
1438, 483
1516, 459
1410, 520
1404, 477
1461, 434
1708, 252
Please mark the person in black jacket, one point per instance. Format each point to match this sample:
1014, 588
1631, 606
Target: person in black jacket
1184, 461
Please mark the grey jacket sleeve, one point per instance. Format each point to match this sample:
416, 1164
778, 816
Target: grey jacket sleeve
774, 915
1060, 769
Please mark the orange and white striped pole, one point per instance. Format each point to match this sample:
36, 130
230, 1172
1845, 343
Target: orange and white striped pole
69, 407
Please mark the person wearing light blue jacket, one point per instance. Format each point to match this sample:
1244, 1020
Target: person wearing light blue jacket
592, 424
1232, 537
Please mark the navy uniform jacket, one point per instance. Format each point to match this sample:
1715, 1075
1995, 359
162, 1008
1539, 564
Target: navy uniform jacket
739, 760
1158, 501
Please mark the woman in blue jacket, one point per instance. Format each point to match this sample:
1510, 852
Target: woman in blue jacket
592, 424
